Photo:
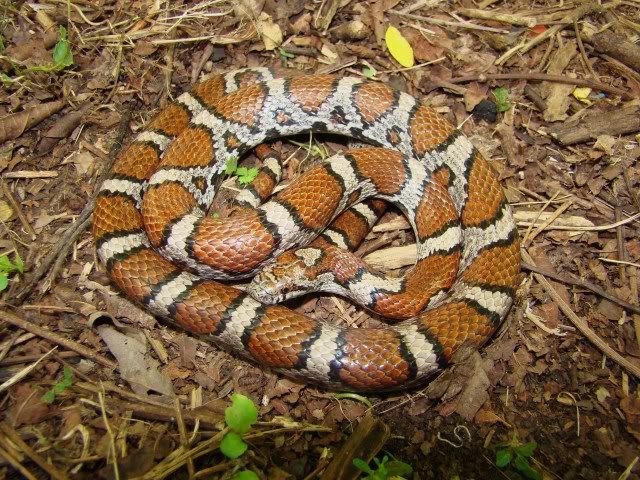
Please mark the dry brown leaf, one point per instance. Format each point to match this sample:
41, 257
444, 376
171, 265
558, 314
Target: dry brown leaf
270, 32
14, 125
6, 212
138, 368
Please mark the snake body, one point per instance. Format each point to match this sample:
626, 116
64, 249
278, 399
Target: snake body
161, 249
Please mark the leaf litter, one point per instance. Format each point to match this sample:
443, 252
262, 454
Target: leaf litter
559, 132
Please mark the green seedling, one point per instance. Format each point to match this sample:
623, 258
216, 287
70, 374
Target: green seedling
284, 55
239, 417
385, 469
7, 267
245, 175
62, 58
501, 95
245, 475
518, 455
314, 149
62, 55
369, 72
60, 386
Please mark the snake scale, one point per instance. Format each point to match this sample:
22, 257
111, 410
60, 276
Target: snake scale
162, 250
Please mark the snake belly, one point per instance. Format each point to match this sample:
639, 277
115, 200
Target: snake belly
153, 206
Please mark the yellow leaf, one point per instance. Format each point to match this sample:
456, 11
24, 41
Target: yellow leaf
399, 48
582, 94
5, 211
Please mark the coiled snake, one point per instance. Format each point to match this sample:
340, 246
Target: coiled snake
161, 249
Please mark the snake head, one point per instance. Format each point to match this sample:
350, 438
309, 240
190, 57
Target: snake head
292, 275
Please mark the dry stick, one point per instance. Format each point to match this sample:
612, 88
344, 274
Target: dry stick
581, 324
584, 284
60, 260
55, 338
15, 463
63, 246
18, 209
19, 360
183, 437
543, 77
498, 16
13, 436
437, 21
620, 245
583, 53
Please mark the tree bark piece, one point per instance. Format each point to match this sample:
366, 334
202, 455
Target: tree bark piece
617, 47
616, 122
366, 440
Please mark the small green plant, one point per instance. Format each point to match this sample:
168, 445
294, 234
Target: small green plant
245, 175
246, 475
62, 58
313, 148
7, 267
60, 386
518, 455
369, 72
385, 468
239, 417
501, 95
62, 55
284, 55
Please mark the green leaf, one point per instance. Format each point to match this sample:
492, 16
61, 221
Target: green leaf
398, 468
501, 95
241, 414
49, 397
5, 264
503, 457
62, 56
60, 386
245, 475
369, 72
362, 465
67, 377
18, 262
6, 80
231, 166
522, 465
247, 175
526, 450
4, 281
2, 47
284, 54
232, 445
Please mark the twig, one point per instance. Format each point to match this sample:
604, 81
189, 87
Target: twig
16, 464
13, 436
365, 442
19, 360
18, 209
112, 439
583, 53
62, 246
581, 324
437, 21
55, 338
483, 14
24, 372
543, 77
622, 252
183, 437
584, 284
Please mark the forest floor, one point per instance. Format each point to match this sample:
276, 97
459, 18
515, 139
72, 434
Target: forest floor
547, 90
